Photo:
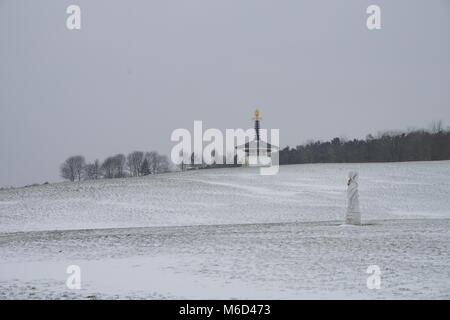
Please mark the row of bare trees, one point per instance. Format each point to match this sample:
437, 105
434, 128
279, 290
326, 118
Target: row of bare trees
135, 164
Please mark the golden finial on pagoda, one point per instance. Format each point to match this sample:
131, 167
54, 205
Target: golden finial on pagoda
257, 117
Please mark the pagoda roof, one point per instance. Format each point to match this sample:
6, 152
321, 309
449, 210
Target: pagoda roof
253, 145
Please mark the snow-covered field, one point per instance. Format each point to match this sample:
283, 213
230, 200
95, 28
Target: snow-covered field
231, 233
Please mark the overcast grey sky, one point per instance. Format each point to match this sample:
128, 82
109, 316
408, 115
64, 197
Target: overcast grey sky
137, 70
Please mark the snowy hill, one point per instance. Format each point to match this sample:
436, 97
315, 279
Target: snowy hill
231, 196
231, 233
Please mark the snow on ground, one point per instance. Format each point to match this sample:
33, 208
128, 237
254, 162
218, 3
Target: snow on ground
230, 196
231, 233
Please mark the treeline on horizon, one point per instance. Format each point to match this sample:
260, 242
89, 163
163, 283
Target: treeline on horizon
135, 164
415, 145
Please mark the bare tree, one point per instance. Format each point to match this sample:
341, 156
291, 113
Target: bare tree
113, 167
72, 168
151, 158
157, 163
145, 168
134, 162
162, 164
108, 168
120, 161
92, 170
66, 171
97, 169
79, 166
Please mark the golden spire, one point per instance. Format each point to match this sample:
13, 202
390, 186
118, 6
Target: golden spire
257, 117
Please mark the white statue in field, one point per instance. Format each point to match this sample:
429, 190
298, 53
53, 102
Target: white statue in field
353, 212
